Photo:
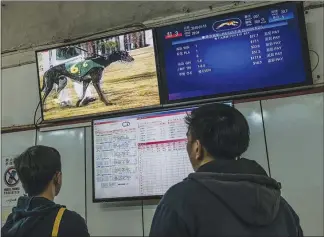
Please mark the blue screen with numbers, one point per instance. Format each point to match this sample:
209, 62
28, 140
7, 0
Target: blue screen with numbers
252, 50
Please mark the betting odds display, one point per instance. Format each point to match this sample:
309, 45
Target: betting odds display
251, 50
141, 155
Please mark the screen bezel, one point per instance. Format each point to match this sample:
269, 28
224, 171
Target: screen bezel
304, 49
134, 198
95, 115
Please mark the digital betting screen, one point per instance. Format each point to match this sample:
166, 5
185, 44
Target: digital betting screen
258, 49
139, 156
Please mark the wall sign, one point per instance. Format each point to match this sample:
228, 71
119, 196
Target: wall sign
11, 187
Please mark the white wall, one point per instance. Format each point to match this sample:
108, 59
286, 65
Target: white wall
294, 131
17, 142
20, 96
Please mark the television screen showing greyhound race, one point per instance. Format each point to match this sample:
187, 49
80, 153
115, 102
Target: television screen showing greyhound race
99, 76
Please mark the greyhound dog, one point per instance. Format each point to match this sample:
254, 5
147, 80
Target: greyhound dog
86, 71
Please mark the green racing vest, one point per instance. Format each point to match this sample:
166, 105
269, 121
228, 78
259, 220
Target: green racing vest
81, 68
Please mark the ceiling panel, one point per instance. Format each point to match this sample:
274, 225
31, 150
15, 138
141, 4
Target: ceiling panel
28, 24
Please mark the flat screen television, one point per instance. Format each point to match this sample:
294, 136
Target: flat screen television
139, 156
242, 52
99, 76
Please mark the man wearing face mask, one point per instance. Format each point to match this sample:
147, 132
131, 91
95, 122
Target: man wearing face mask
227, 195
39, 170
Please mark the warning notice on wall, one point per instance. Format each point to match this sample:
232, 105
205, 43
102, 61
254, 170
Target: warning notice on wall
11, 185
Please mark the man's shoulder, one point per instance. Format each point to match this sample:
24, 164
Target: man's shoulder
73, 223
72, 216
180, 191
184, 185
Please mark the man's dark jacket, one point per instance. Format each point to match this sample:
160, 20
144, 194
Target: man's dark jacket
226, 198
35, 217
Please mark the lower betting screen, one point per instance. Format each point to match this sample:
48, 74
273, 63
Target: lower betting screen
255, 49
140, 155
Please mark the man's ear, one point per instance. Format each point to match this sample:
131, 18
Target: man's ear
57, 178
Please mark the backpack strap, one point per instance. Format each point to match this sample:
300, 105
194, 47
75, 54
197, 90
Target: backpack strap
57, 222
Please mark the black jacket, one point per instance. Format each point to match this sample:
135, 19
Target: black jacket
35, 217
226, 198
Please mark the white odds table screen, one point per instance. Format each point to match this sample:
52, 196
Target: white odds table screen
140, 155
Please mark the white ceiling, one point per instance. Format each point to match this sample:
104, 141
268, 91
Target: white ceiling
29, 24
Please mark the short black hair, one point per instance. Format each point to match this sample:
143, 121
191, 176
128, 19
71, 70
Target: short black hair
221, 129
36, 167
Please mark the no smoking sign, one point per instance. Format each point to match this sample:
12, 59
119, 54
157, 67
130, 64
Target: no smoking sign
11, 178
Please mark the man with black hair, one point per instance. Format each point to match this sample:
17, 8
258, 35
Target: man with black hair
39, 170
227, 195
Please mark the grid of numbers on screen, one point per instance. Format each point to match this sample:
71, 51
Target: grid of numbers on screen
143, 155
